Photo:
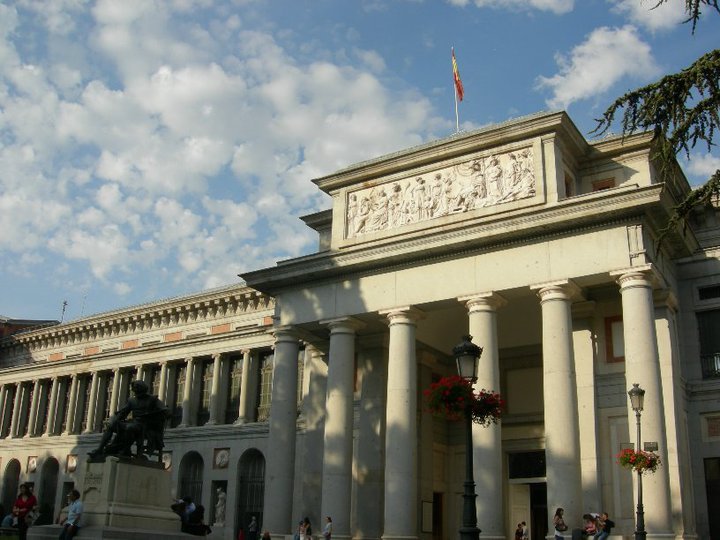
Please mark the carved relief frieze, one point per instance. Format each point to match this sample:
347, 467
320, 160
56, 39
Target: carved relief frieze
481, 182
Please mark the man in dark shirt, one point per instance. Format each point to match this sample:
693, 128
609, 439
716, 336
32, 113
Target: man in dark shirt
605, 525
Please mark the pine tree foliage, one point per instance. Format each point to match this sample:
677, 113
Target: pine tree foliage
682, 109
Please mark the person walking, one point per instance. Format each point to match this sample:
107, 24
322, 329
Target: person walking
327, 531
252, 529
71, 524
559, 524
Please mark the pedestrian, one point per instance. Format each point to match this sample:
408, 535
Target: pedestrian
605, 525
300, 532
308, 528
327, 531
559, 524
71, 524
525, 531
518, 532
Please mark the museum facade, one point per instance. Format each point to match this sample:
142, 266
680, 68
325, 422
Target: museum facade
300, 393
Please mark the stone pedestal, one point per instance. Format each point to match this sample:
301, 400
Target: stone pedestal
128, 495
123, 501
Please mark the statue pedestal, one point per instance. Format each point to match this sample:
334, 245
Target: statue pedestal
128, 495
123, 501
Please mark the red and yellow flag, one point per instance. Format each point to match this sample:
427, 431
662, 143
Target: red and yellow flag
456, 75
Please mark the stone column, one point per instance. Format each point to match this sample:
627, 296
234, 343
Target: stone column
279, 483
15, 422
338, 439
642, 367
187, 393
244, 407
34, 399
162, 387
562, 432
115, 392
71, 406
487, 441
52, 406
401, 482
215, 390
92, 405
3, 408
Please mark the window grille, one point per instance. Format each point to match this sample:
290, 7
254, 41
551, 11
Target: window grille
233, 391
708, 325
203, 413
266, 374
179, 385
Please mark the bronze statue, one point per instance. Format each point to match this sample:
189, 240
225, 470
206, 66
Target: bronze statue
144, 428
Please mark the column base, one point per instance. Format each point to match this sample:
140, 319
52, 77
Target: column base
395, 537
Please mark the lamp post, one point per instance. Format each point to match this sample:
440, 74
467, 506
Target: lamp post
466, 356
637, 395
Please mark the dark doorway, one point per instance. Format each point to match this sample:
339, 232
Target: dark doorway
48, 487
251, 489
11, 483
538, 510
437, 516
712, 490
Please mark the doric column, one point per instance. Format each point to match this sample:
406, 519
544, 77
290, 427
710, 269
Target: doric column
34, 399
4, 416
401, 482
92, 405
140, 372
642, 367
487, 443
215, 390
162, 387
71, 406
281, 444
187, 392
115, 392
52, 407
244, 408
562, 432
338, 440
15, 422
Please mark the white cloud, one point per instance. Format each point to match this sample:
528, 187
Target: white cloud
593, 67
703, 164
644, 13
555, 6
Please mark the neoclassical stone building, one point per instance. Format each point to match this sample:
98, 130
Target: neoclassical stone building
301, 393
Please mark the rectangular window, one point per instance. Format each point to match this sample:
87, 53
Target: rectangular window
63, 402
233, 391
605, 183
179, 385
266, 373
203, 413
106, 395
614, 339
83, 409
154, 374
7, 409
708, 322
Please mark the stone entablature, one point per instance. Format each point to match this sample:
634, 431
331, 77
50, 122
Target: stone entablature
210, 313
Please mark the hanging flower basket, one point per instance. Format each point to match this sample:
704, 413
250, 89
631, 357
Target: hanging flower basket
639, 461
450, 396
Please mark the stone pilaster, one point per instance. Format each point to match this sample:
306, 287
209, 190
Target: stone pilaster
188, 393
92, 405
245, 390
52, 414
34, 402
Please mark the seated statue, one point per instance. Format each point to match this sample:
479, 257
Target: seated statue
140, 422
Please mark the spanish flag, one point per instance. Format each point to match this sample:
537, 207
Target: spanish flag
456, 75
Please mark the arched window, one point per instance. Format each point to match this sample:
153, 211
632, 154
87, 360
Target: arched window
251, 488
11, 481
191, 477
48, 488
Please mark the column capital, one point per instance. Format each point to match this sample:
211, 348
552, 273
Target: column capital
485, 301
343, 325
563, 289
217, 356
403, 315
285, 333
646, 275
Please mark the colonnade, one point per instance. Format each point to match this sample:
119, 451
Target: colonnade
80, 402
562, 430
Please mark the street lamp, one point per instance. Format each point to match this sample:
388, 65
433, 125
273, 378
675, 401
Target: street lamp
466, 357
637, 396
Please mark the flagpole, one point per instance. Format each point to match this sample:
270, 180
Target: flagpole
455, 94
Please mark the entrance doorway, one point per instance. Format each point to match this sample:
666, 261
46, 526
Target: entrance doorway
528, 493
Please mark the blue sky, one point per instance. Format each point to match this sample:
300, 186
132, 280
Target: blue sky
150, 149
